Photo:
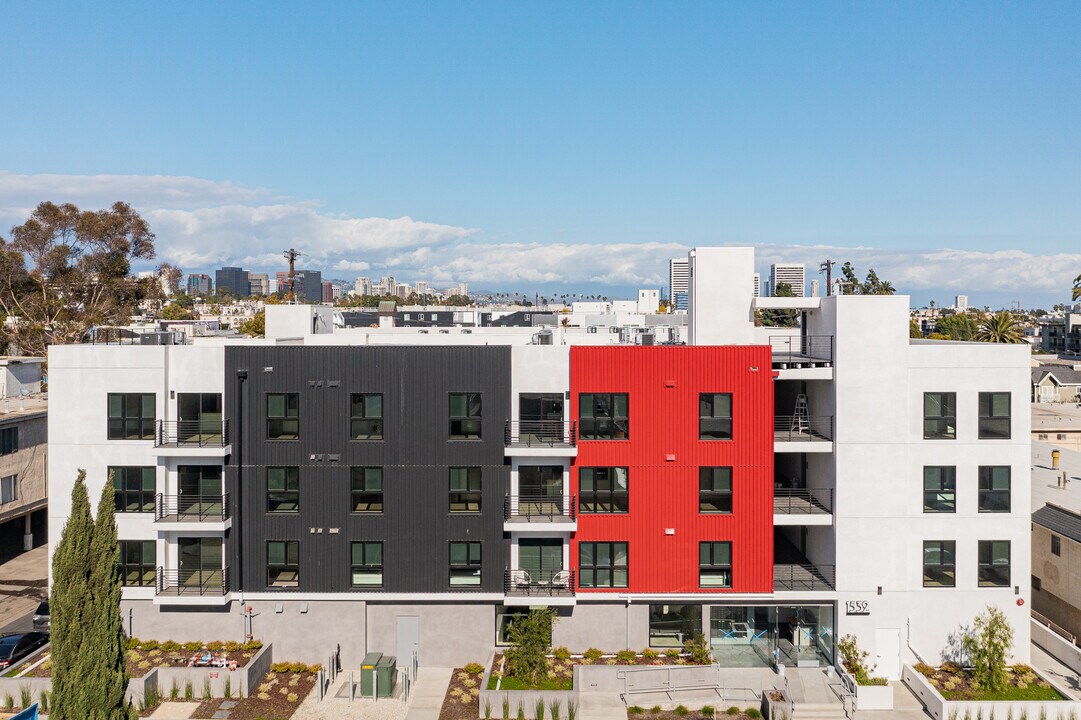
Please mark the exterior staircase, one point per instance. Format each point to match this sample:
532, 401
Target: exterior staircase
818, 711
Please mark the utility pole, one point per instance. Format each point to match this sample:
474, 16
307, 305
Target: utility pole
291, 255
827, 267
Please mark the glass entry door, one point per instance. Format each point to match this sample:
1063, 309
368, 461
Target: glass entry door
541, 558
199, 490
199, 416
541, 416
200, 561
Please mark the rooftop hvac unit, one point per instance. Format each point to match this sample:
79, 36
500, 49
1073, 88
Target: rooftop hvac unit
543, 338
647, 338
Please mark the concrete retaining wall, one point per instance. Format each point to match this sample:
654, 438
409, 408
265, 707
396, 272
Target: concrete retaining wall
240, 680
527, 698
1057, 646
940, 708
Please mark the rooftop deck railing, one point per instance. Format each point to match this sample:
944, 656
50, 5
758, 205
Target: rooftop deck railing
541, 433
803, 428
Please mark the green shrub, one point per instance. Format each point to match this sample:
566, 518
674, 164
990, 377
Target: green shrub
215, 645
506, 707
635, 710
593, 654
487, 709
753, 714
626, 656
131, 643
26, 696
252, 645
521, 711
707, 711
988, 645
650, 654
698, 649
207, 695
9, 703
733, 710
538, 709
170, 646
682, 710
562, 654
572, 710
193, 646
474, 668
555, 709
531, 638
174, 691
232, 646
150, 645
671, 654
189, 692
924, 669
656, 710
43, 701
228, 690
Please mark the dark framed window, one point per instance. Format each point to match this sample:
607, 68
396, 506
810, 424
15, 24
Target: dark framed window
9, 440
602, 565
283, 489
366, 489
366, 416
137, 563
715, 564
282, 416
715, 416
131, 416
9, 489
465, 564
603, 490
1036, 584
715, 490
994, 416
366, 564
465, 416
994, 558
133, 489
939, 563
994, 488
939, 489
465, 489
604, 416
283, 563
1056, 545
940, 416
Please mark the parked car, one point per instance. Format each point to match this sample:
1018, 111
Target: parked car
41, 618
14, 648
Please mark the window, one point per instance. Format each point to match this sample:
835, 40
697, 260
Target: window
939, 563
994, 416
465, 564
603, 416
995, 489
940, 416
9, 440
137, 563
1056, 545
367, 564
131, 416
671, 625
939, 489
465, 416
603, 490
9, 489
1036, 584
994, 570
715, 564
282, 416
715, 416
464, 489
715, 490
602, 564
366, 417
283, 489
283, 563
367, 490
133, 489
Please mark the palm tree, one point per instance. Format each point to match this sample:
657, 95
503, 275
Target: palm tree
1076, 287
1002, 327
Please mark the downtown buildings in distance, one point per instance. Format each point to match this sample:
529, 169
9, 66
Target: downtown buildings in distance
413, 489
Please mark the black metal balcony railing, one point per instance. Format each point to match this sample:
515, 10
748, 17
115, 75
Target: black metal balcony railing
192, 433
539, 583
192, 582
541, 433
802, 501
539, 508
803, 576
803, 428
191, 508
801, 351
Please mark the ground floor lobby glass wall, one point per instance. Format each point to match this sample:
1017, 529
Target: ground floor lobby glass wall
750, 635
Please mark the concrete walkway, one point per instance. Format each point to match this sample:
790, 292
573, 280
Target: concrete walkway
428, 692
906, 706
1063, 676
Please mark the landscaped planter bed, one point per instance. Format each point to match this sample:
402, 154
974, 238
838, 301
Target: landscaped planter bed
690, 712
462, 701
143, 656
941, 708
561, 667
955, 683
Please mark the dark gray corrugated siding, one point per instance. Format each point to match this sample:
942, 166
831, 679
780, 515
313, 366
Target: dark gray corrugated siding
416, 525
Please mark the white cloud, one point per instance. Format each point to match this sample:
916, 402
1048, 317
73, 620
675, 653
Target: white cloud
350, 266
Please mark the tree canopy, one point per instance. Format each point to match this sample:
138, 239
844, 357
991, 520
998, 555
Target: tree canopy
780, 318
1002, 327
873, 285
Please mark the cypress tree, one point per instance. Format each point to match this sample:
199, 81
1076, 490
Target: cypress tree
104, 663
70, 606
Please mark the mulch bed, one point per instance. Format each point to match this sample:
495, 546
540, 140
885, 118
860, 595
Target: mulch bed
277, 697
955, 683
207, 708
462, 701
139, 662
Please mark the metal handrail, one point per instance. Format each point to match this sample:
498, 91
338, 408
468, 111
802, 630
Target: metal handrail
186, 508
803, 428
795, 349
807, 501
1043, 620
541, 433
536, 505
538, 582
191, 582
803, 576
192, 433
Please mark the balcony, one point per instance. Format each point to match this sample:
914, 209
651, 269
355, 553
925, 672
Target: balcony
192, 512
807, 357
536, 512
803, 433
191, 587
802, 506
803, 577
192, 438
539, 587
541, 437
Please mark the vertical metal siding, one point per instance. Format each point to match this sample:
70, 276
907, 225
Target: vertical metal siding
416, 525
664, 494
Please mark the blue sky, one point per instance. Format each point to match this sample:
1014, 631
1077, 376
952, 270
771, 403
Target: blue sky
561, 145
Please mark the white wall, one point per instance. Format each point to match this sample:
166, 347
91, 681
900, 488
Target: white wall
721, 293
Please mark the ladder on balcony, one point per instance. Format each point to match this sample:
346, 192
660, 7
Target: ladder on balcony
799, 422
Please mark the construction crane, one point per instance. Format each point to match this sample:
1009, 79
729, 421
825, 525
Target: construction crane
291, 255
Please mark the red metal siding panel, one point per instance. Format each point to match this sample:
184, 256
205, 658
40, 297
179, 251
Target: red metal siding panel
664, 384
